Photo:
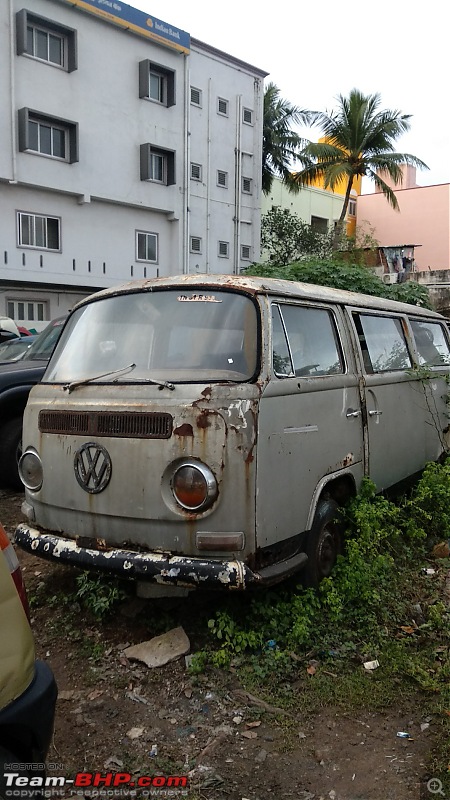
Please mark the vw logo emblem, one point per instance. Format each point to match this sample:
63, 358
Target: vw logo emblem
93, 467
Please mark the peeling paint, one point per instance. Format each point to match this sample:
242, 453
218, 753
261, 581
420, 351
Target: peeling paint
184, 430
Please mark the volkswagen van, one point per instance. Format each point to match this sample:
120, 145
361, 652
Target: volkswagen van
203, 430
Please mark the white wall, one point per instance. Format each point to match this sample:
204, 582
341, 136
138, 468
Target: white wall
101, 199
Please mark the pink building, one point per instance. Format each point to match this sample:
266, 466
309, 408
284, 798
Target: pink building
424, 218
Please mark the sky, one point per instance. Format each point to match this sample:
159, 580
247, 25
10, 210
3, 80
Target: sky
316, 51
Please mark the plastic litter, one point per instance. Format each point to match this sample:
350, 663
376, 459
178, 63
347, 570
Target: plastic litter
370, 665
404, 735
153, 751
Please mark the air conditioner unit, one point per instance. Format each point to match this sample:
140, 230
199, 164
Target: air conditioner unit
390, 277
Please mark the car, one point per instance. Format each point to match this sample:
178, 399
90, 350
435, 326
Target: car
16, 348
28, 690
16, 380
8, 329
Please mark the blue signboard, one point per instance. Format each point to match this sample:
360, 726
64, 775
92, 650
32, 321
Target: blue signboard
137, 21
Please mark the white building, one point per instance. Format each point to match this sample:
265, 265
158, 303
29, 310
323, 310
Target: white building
128, 150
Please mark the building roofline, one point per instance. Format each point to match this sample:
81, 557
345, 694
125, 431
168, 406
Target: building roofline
214, 51
407, 189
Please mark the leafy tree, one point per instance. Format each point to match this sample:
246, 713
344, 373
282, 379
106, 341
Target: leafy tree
339, 274
286, 238
281, 144
359, 140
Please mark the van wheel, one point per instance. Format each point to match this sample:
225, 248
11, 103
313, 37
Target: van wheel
323, 543
10, 452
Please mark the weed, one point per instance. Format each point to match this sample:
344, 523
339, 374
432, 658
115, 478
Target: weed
99, 593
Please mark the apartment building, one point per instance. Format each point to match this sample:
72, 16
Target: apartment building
128, 150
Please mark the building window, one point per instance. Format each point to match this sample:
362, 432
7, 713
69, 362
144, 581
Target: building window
48, 136
27, 310
247, 185
147, 247
196, 172
247, 116
196, 97
34, 230
245, 252
224, 250
156, 83
222, 106
45, 40
352, 208
157, 165
195, 244
319, 224
222, 178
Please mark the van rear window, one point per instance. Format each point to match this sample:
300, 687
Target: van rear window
431, 343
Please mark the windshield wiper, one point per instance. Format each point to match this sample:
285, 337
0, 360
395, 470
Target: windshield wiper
162, 384
69, 387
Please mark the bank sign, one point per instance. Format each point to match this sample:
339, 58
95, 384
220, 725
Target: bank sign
132, 19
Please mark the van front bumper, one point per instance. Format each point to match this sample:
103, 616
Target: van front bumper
159, 568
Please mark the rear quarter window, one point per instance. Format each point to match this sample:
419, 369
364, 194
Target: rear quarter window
431, 342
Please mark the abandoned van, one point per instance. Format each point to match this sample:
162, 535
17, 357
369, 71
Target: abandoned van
202, 431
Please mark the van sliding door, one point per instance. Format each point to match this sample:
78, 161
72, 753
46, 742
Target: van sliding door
397, 413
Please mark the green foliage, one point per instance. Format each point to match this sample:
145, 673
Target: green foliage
340, 274
357, 139
98, 593
280, 143
286, 238
370, 594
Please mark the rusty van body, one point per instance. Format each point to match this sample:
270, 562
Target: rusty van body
203, 430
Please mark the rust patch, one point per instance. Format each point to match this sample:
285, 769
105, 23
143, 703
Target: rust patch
184, 430
207, 392
203, 420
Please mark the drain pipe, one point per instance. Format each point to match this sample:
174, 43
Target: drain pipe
12, 93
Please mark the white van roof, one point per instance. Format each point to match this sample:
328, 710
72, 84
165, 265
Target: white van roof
268, 286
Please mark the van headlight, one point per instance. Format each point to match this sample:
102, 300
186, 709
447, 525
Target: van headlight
30, 470
193, 485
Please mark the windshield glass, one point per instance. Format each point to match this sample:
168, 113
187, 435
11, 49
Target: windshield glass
171, 335
44, 344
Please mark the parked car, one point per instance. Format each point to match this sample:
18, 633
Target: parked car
16, 380
28, 689
8, 329
16, 348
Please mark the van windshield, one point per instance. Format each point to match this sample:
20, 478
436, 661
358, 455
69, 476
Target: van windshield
169, 335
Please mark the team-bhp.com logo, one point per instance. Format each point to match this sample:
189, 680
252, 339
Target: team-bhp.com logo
95, 784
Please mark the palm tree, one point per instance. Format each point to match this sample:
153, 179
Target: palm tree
359, 140
280, 143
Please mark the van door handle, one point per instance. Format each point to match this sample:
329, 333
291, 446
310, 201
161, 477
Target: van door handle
351, 413
375, 413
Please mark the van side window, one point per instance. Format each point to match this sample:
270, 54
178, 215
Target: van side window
313, 341
281, 358
382, 342
431, 343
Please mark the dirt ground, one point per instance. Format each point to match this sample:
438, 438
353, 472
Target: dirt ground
116, 715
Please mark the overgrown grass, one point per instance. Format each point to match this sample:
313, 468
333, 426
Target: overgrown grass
380, 603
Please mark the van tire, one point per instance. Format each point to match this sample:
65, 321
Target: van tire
10, 450
323, 544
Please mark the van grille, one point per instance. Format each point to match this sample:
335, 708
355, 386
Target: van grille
131, 424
